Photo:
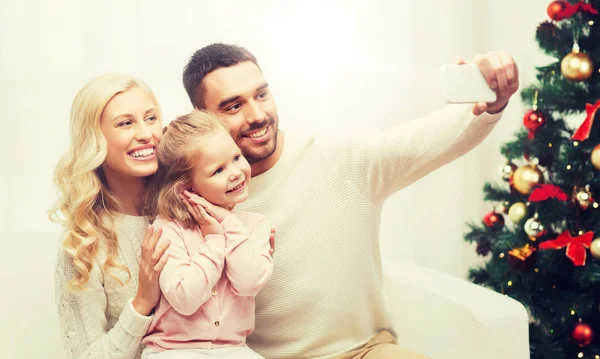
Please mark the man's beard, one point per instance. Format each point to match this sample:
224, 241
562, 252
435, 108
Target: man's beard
257, 153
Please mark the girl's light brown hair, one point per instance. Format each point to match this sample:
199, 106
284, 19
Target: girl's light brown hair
177, 154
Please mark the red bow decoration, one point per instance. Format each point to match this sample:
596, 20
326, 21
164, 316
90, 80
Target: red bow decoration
570, 10
545, 191
583, 132
575, 245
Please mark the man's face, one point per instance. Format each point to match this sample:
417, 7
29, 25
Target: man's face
240, 96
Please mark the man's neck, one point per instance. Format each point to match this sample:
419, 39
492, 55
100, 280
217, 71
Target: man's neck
128, 189
268, 163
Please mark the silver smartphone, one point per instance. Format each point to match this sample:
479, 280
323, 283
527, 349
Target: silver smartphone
465, 84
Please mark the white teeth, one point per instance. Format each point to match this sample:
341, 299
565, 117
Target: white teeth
143, 153
259, 133
236, 187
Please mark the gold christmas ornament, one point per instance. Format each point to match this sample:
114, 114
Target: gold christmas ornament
595, 248
595, 158
517, 212
576, 66
534, 228
526, 177
507, 171
582, 196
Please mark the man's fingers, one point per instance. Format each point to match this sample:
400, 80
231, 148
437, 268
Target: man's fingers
500, 72
509, 68
487, 70
479, 108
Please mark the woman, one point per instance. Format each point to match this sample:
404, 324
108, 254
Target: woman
108, 264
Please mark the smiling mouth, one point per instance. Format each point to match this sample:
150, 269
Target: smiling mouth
146, 152
258, 134
237, 188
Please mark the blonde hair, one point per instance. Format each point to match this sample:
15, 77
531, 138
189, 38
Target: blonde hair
177, 154
85, 205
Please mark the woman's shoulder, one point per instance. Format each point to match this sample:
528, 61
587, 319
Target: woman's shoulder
65, 268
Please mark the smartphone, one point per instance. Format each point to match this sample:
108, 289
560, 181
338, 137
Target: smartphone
465, 84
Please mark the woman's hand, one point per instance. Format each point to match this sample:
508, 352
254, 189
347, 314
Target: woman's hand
152, 262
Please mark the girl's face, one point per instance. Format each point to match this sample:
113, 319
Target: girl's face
132, 129
220, 172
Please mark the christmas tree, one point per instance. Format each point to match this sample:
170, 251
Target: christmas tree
542, 236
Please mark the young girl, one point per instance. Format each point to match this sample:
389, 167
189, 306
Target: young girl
217, 265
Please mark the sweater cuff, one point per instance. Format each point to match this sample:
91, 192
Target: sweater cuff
231, 221
489, 117
133, 322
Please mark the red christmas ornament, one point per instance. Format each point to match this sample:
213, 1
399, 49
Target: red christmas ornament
494, 220
576, 246
555, 10
584, 130
582, 334
533, 119
546, 191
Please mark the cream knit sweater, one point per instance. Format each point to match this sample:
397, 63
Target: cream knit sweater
101, 322
324, 197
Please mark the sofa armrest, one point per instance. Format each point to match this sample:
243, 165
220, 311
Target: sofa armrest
450, 318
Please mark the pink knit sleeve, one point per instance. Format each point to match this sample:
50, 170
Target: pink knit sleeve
189, 275
248, 261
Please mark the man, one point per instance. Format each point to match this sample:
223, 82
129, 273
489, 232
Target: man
324, 194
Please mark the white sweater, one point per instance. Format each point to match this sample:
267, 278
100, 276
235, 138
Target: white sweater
100, 323
324, 197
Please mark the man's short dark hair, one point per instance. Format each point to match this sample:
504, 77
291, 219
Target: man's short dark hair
207, 60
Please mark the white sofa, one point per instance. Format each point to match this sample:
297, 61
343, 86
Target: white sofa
449, 318
433, 313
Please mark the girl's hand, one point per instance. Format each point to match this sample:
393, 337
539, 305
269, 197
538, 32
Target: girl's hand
152, 261
207, 223
192, 200
217, 212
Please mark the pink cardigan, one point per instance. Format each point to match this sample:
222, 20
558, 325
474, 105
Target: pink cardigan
208, 284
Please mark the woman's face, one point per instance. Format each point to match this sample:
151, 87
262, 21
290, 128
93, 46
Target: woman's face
132, 129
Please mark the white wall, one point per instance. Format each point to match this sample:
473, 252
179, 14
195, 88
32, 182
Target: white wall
365, 63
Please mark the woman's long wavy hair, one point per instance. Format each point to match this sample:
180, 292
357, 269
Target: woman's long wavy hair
177, 154
85, 205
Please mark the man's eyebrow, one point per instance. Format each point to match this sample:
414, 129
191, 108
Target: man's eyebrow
229, 100
262, 87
